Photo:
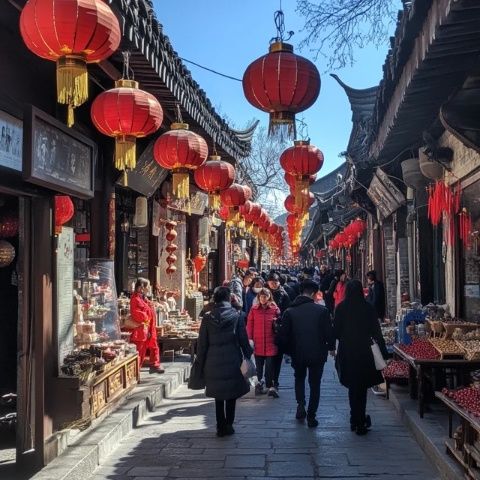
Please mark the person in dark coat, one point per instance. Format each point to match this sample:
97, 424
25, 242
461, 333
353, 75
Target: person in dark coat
355, 325
222, 344
326, 277
376, 294
282, 300
306, 333
284, 284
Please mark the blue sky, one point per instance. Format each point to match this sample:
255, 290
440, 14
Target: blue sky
227, 35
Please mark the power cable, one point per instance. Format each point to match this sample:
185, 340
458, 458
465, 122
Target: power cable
211, 70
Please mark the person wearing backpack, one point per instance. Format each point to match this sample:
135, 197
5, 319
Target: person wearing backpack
260, 329
222, 345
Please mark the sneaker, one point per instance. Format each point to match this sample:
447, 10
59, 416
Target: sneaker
221, 431
361, 430
301, 413
312, 422
368, 421
273, 392
376, 390
156, 370
258, 389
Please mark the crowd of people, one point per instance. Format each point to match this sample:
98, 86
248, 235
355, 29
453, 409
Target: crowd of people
300, 317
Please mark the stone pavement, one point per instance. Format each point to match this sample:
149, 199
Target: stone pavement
178, 441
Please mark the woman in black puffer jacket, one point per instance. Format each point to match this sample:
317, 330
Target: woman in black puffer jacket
222, 344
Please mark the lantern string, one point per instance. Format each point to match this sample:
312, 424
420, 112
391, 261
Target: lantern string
211, 70
178, 113
279, 19
126, 66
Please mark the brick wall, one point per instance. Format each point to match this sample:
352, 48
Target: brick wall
390, 267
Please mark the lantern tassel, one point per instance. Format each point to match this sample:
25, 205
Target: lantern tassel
214, 201
72, 83
181, 185
301, 191
125, 153
282, 125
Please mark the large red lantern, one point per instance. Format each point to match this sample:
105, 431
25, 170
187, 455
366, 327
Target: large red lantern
234, 196
126, 113
293, 207
291, 179
64, 210
281, 84
180, 150
301, 161
214, 176
224, 213
71, 33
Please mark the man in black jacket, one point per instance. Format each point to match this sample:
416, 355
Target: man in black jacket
307, 333
376, 294
326, 277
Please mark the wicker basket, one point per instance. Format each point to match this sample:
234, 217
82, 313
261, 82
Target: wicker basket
450, 327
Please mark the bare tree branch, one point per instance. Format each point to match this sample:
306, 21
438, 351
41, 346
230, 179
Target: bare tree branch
340, 26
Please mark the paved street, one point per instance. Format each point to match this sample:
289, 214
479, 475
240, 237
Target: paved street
178, 441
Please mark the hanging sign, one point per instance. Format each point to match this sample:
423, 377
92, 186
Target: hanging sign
384, 194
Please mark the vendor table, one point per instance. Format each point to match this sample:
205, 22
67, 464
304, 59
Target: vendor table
466, 448
421, 371
190, 344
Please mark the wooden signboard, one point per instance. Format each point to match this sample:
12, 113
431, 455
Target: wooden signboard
384, 194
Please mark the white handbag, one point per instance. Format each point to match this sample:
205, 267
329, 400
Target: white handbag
380, 363
248, 367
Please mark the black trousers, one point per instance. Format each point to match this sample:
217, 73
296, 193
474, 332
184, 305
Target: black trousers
267, 363
357, 395
277, 362
315, 373
225, 412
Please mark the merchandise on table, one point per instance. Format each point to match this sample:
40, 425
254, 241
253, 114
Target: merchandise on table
396, 369
447, 347
467, 397
420, 350
471, 348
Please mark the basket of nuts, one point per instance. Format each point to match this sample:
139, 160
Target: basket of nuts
471, 348
447, 348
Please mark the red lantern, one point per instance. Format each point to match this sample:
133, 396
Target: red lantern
243, 264
224, 213
180, 150
171, 236
290, 181
292, 206
71, 33
234, 196
281, 84
302, 161
64, 210
171, 259
292, 220
171, 269
199, 262
126, 113
248, 192
8, 227
246, 209
213, 177
171, 247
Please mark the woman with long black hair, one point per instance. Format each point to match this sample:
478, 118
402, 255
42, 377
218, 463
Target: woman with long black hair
356, 326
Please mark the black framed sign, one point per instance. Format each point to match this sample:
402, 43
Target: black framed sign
57, 157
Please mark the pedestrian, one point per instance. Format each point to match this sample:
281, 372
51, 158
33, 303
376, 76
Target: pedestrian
306, 332
252, 293
326, 278
239, 285
294, 284
282, 300
355, 325
144, 336
376, 294
284, 283
260, 329
222, 344
340, 286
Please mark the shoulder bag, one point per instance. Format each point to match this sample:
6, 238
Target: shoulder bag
380, 363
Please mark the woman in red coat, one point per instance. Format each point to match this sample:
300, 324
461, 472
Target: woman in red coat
260, 329
339, 294
145, 335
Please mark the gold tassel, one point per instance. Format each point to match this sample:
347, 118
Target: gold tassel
125, 153
301, 191
72, 83
214, 201
181, 184
282, 125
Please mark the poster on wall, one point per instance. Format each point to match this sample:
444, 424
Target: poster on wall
11, 141
64, 297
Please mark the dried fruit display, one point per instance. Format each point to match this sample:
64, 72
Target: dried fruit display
396, 369
467, 398
420, 350
447, 347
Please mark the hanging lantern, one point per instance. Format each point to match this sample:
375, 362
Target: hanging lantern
293, 207
170, 236
126, 113
171, 259
214, 176
224, 213
199, 262
64, 210
7, 253
291, 179
243, 264
171, 248
8, 227
248, 192
140, 219
301, 161
180, 150
171, 269
71, 33
281, 84
233, 197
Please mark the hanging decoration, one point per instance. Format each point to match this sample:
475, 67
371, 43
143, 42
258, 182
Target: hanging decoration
71, 33
233, 197
465, 226
126, 113
281, 83
199, 262
442, 200
7, 253
214, 176
140, 219
170, 236
301, 161
8, 226
64, 211
180, 150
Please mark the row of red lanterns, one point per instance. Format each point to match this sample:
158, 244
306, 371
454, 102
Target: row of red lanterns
349, 236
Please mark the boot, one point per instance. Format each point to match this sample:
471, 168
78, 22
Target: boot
301, 412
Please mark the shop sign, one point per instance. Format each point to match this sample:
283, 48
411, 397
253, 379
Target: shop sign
384, 194
147, 175
197, 205
11, 141
64, 293
57, 157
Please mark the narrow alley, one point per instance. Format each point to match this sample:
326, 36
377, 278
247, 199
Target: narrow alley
178, 441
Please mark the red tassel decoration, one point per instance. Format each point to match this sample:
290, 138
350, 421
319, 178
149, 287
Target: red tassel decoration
465, 225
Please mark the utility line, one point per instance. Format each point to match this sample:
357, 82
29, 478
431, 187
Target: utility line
211, 70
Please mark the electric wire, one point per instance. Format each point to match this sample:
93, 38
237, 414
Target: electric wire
211, 70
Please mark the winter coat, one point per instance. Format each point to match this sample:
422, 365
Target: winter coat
295, 286
306, 332
142, 313
355, 324
281, 298
376, 297
339, 294
236, 287
250, 296
260, 329
221, 342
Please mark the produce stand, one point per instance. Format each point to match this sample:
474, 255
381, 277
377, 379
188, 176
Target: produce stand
176, 344
423, 371
465, 447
